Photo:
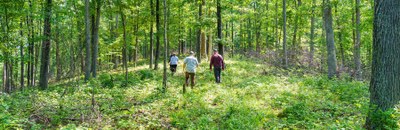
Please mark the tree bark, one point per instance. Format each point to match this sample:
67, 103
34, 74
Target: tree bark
87, 41
125, 48
330, 42
151, 51
21, 47
165, 46
385, 83
158, 26
45, 59
219, 19
199, 31
95, 37
357, 60
284, 36
312, 33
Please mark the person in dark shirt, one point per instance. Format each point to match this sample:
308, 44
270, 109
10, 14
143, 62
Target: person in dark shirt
218, 62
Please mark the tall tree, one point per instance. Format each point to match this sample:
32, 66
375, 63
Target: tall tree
165, 46
87, 41
385, 83
285, 55
45, 59
21, 47
199, 31
95, 37
357, 44
125, 48
151, 35
158, 26
219, 17
330, 42
312, 33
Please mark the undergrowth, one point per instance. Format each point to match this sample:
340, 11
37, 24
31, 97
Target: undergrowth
252, 95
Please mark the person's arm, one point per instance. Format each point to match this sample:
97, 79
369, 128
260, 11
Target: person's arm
223, 63
184, 65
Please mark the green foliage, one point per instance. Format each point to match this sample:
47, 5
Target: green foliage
106, 80
386, 120
257, 97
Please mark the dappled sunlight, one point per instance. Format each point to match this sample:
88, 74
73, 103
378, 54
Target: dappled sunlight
246, 98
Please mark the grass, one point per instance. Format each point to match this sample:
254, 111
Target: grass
252, 95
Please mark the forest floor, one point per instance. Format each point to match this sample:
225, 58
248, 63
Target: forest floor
252, 95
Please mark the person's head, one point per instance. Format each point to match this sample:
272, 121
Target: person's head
191, 53
173, 54
215, 51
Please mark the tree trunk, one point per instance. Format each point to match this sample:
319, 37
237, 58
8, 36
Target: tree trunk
165, 46
357, 60
249, 40
219, 19
385, 83
340, 41
312, 33
95, 37
45, 59
21, 47
125, 48
295, 45
199, 32
87, 41
151, 51
276, 30
330, 42
158, 26
284, 36
203, 45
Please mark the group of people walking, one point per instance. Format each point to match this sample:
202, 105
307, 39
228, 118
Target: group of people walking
191, 63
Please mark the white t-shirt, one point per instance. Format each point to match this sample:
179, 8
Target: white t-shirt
191, 64
174, 60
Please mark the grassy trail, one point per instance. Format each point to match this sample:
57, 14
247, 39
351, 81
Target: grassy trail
251, 96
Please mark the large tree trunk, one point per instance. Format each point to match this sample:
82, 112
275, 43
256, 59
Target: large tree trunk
125, 48
357, 45
45, 59
87, 41
219, 19
199, 31
385, 83
285, 55
312, 33
330, 42
158, 26
95, 37
165, 46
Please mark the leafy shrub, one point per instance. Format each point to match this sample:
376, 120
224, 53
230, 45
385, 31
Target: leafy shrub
106, 80
146, 74
387, 120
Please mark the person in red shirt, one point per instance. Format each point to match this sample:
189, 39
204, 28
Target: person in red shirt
218, 62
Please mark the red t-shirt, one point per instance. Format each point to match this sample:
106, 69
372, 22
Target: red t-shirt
217, 61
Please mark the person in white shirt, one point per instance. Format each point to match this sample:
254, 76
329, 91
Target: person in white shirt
190, 64
173, 63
